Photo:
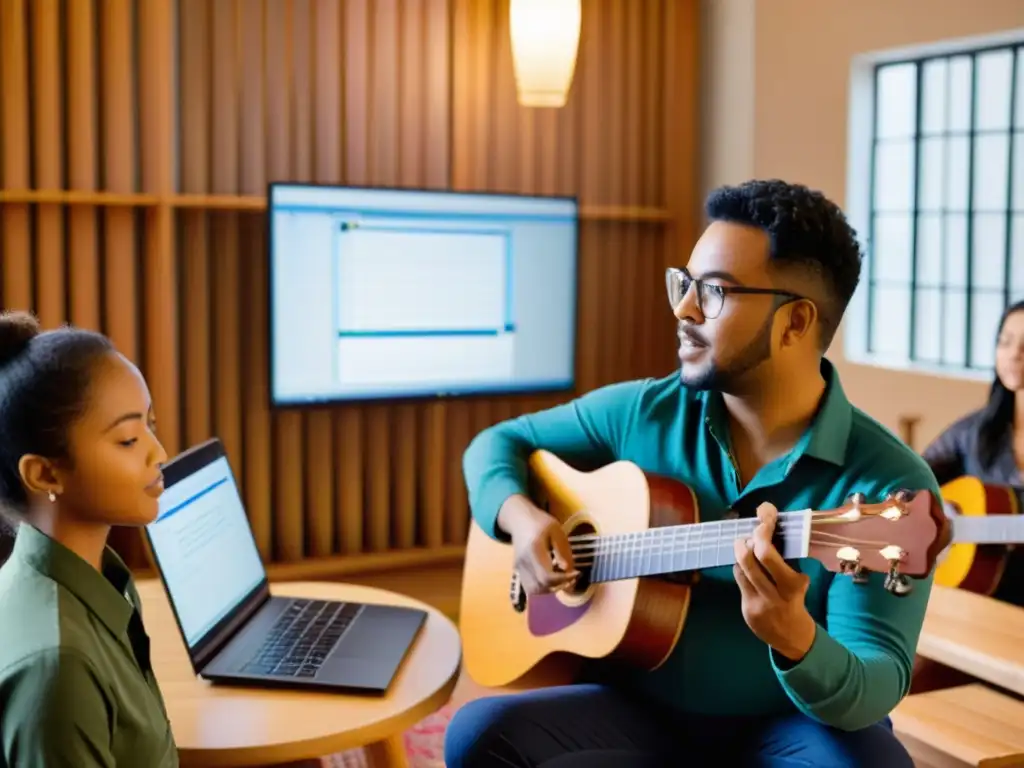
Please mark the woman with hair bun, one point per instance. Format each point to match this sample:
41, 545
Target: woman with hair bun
78, 455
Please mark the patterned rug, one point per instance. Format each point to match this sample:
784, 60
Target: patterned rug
424, 743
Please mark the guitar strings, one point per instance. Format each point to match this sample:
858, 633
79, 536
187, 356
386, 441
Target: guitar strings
643, 539
589, 552
786, 520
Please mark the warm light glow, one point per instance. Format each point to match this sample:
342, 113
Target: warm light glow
545, 39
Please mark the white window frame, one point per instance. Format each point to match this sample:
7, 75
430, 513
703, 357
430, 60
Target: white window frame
860, 159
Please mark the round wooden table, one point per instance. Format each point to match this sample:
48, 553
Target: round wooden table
217, 725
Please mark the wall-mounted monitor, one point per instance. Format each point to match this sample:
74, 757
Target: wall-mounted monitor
380, 294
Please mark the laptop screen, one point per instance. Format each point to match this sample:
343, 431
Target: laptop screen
202, 540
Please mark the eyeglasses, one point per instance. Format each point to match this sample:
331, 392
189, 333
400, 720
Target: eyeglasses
711, 297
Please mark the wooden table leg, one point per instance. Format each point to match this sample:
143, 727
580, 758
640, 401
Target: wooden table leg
389, 753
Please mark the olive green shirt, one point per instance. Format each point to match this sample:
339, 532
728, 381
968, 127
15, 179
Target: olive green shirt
76, 686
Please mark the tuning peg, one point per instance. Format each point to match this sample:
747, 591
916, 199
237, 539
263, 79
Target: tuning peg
902, 495
860, 576
849, 561
897, 584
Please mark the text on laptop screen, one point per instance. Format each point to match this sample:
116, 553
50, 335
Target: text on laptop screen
205, 548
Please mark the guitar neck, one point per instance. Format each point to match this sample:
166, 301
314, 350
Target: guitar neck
680, 548
988, 529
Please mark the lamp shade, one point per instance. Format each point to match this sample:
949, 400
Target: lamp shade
545, 40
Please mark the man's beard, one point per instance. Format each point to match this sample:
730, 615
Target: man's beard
727, 379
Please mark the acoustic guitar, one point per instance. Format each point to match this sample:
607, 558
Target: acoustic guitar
984, 519
625, 526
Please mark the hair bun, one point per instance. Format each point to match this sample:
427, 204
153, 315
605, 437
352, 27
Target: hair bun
17, 329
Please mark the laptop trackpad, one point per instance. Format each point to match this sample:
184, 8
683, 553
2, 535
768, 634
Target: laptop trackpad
373, 647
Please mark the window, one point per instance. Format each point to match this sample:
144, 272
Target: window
945, 230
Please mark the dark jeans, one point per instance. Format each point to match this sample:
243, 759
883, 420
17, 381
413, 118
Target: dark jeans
591, 726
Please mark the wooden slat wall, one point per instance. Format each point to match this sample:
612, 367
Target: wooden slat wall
136, 140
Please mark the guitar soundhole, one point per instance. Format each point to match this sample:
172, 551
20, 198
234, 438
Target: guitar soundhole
583, 557
583, 554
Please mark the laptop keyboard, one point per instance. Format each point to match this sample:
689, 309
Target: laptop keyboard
302, 638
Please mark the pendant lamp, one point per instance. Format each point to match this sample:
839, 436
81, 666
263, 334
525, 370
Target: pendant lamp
545, 40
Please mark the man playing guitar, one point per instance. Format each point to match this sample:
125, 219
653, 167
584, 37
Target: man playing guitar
780, 664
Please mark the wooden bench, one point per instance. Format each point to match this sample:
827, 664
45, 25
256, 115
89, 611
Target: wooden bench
970, 725
975, 634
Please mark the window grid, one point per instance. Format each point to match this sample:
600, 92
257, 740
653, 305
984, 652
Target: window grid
1011, 218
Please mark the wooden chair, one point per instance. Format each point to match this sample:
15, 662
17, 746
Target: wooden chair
970, 725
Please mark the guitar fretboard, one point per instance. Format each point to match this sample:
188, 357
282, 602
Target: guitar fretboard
678, 548
988, 529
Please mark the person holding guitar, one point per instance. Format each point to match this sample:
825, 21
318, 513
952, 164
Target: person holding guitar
988, 444
780, 663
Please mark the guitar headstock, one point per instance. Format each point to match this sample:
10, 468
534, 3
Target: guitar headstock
900, 537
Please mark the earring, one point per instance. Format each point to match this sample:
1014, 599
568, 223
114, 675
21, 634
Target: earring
52, 496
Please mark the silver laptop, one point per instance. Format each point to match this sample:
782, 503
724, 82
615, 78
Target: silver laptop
235, 630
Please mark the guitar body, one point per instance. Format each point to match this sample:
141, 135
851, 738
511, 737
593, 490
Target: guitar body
637, 621
976, 568
626, 528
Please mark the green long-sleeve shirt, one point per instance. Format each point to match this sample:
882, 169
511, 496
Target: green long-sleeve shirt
76, 686
859, 666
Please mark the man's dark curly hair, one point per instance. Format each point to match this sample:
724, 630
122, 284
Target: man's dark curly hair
807, 231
